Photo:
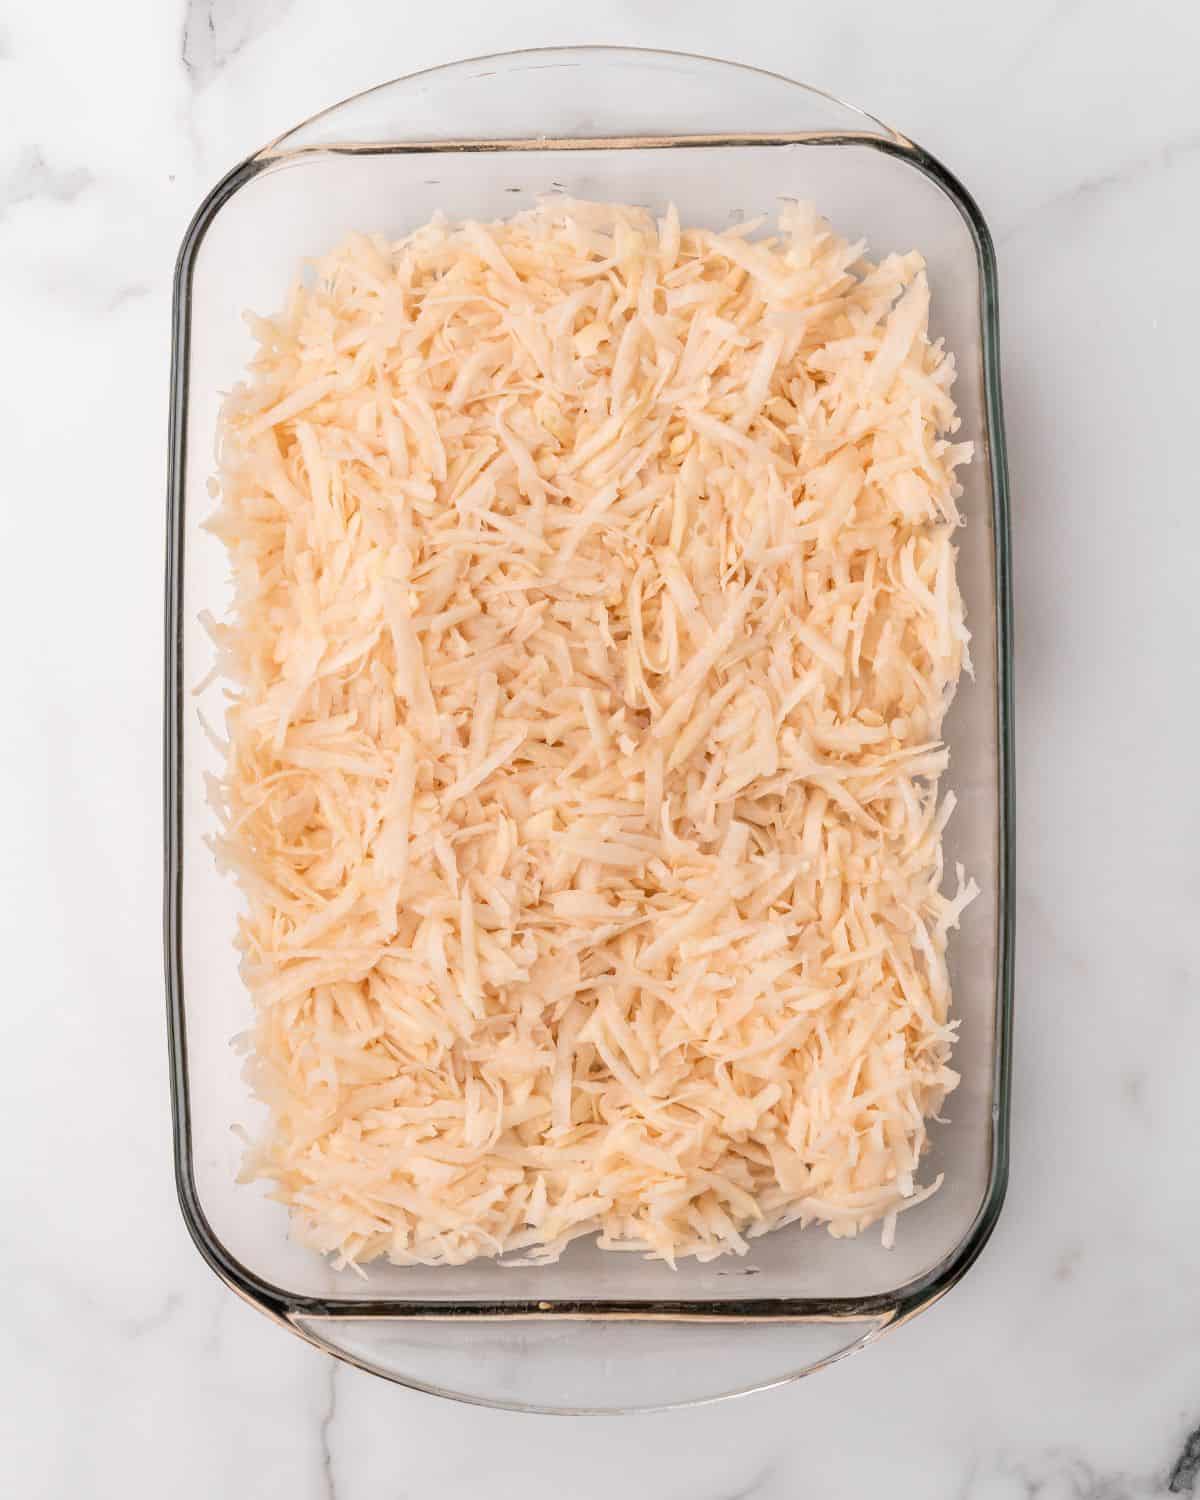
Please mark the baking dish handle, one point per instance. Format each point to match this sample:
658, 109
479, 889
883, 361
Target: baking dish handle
581, 1365
579, 94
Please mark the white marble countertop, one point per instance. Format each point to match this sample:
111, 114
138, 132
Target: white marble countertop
1067, 1364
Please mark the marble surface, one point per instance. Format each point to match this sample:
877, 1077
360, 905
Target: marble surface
1068, 1362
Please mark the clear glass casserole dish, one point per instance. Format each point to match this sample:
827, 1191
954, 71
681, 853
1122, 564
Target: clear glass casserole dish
482, 139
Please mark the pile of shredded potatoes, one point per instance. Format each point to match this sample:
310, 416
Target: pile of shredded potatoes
595, 621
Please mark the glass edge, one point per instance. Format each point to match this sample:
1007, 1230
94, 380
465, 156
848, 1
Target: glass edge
899, 1304
879, 1326
277, 146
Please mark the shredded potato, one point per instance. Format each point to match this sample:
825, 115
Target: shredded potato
595, 622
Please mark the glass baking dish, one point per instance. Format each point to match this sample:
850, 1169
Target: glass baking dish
482, 139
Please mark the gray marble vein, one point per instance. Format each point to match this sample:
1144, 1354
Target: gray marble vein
151, 1322
754, 1486
1041, 36
328, 1478
1186, 1473
1068, 1262
1181, 151
216, 31
132, 292
1061, 1475
32, 177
